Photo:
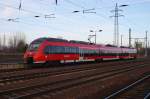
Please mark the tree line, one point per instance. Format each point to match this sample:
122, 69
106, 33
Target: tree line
12, 42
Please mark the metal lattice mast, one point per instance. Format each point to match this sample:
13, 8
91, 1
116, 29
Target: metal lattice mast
130, 37
116, 25
146, 44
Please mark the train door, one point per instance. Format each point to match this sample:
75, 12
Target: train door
81, 54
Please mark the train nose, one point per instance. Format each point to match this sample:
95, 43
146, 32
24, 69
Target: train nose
28, 57
29, 54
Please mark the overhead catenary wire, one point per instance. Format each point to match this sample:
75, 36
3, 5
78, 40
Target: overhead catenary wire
72, 20
100, 14
21, 9
34, 11
74, 4
32, 24
65, 19
25, 9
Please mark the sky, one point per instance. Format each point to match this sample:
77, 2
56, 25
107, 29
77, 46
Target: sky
63, 23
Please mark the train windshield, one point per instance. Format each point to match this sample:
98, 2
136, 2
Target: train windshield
34, 46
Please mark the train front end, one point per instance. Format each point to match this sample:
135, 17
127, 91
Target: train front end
34, 54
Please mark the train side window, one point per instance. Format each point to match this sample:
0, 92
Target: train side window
73, 50
52, 49
76, 50
56, 51
46, 50
66, 50
60, 50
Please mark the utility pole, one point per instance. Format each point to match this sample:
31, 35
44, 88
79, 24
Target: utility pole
121, 39
146, 44
90, 36
129, 37
95, 37
145, 41
116, 23
56, 2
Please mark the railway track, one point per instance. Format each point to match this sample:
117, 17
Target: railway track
139, 89
26, 74
4, 67
8, 66
63, 80
13, 68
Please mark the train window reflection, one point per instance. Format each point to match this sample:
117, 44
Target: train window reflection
34, 46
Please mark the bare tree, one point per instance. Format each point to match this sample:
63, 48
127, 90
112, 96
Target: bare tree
17, 42
11, 44
4, 41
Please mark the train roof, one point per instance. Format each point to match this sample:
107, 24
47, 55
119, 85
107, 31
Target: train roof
56, 40
81, 43
109, 45
40, 40
60, 40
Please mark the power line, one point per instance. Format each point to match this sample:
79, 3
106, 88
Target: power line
33, 24
21, 9
105, 17
134, 3
25, 10
74, 4
67, 0
20, 5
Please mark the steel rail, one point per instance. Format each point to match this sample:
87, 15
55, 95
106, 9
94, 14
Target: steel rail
127, 87
12, 78
75, 82
147, 96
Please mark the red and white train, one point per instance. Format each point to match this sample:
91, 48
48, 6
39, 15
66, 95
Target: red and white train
45, 50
